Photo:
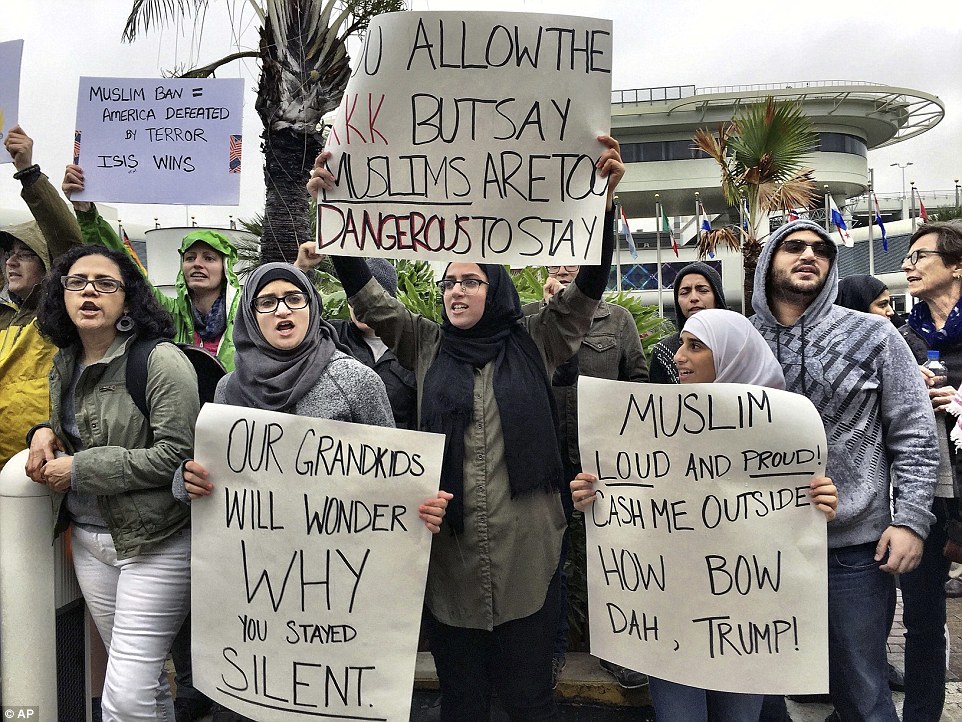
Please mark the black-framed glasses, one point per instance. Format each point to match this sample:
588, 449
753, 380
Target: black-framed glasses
101, 285
822, 249
554, 270
915, 255
469, 286
294, 301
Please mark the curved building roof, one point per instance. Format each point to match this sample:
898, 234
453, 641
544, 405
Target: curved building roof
655, 126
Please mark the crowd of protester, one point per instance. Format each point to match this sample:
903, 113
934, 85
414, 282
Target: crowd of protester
490, 377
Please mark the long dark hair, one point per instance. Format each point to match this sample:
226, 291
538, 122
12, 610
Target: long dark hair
149, 317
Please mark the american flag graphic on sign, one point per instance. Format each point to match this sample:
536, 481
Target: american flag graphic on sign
76, 147
235, 154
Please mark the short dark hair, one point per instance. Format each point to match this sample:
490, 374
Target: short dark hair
949, 238
150, 319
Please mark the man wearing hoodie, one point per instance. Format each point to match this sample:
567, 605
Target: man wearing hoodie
207, 286
865, 383
25, 356
697, 286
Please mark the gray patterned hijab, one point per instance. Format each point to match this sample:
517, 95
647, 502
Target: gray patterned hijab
268, 378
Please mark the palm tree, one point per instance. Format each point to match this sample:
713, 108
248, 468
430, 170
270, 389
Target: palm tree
304, 71
760, 153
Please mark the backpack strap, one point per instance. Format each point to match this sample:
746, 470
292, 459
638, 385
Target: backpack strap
136, 380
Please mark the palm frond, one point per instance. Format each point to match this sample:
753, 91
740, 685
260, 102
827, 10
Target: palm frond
144, 13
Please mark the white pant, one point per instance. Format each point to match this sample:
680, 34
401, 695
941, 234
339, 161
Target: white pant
138, 604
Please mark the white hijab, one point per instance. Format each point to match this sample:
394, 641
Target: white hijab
741, 354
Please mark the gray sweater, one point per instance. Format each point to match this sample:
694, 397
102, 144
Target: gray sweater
866, 385
346, 391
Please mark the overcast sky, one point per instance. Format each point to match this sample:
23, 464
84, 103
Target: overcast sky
663, 42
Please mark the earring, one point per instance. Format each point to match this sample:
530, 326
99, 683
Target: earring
125, 323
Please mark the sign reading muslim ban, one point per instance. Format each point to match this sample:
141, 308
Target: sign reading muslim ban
171, 140
11, 53
706, 560
308, 564
473, 137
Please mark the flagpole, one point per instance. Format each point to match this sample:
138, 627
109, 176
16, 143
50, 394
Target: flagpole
618, 212
661, 301
912, 212
697, 219
871, 223
828, 213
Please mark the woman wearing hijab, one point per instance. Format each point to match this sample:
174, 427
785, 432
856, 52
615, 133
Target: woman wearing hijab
866, 294
483, 381
287, 360
717, 346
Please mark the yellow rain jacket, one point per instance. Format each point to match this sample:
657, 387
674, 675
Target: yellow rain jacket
25, 356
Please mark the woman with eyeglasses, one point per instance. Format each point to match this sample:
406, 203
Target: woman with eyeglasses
484, 382
933, 270
287, 359
109, 468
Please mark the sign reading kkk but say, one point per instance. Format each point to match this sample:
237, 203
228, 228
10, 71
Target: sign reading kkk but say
171, 140
11, 53
472, 136
706, 560
308, 564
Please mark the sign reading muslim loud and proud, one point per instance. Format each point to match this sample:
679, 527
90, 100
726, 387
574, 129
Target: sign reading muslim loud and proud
308, 564
473, 137
160, 141
11, 53
706, 560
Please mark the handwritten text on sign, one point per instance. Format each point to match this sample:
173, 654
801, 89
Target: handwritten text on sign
160, 141
706, 560
472, 136
308, 564
11, 53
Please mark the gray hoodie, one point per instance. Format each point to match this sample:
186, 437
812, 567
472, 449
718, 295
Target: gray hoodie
866, 385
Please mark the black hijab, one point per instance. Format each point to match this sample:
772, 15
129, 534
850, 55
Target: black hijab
858, 292
521, 389
270, 378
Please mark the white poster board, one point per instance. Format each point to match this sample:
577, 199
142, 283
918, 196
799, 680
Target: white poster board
173, 140
472, 136
707, 563
11, 53
308, 564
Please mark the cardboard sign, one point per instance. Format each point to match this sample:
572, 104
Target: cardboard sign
160, 141
707, 563
472, 137
308, 564
11, 53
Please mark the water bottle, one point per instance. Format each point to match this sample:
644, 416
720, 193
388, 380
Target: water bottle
935, 365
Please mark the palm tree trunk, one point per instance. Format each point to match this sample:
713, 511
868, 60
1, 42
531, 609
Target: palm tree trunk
751, 250
289, 156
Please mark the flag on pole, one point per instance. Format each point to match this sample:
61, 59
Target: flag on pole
840, 223
129, 247
746, 215
666, 227
632, 249
792, 215
705, 224
922, 214
881, 226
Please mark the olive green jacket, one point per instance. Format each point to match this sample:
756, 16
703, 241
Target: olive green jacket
129, 461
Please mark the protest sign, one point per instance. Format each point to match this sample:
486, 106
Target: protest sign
11, 53
308, 564
472, 137
173, 140
707, 562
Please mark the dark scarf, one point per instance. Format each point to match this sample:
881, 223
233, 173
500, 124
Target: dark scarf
521, 389
920, 320
859, 292
212, 326
266, 377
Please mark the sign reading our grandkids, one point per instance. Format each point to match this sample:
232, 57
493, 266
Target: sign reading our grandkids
308, 564
706, 559
472, 136
160, 141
